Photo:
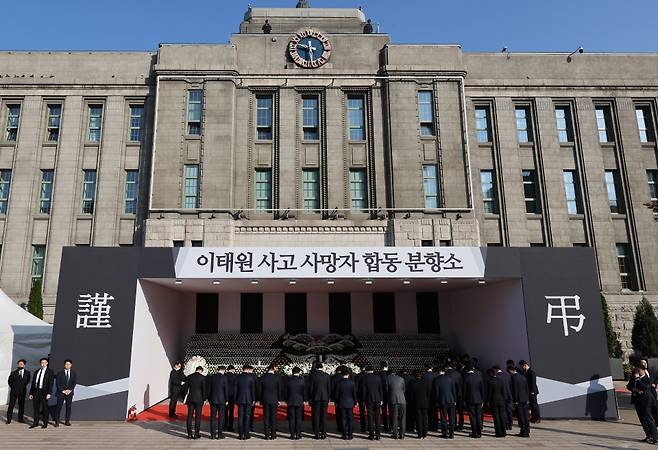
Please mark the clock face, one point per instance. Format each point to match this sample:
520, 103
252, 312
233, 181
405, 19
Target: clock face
309, 49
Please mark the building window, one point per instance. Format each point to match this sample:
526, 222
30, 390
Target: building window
13, 118
95, 123
264, 189
358, 190
310, 118
427, 243
614, 190
5, 184
264, 117
645, 123
179, 244
194, 112
564, 125
523, 127
426, 113
488, 191
482, 124
604, 123
530, 192
88, 191
38, 259
197, 243
356, 113
431, 186
572, 192
652, 177
191, 186
54, 119
311, 180
626, 274
46, 193
131, 192
136, 122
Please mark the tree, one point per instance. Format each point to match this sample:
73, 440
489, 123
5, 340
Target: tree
35, 304
645, 330
614, 346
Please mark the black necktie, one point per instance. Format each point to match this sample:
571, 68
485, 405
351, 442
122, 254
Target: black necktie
39, 380
67, 377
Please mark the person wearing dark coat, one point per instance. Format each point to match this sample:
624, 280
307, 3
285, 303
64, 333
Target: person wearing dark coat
40, 389
396, 399
335, 379
459, 401
295, 403
497, 395
419, 392
245, 397
520, 398
319, 393
445, 394
230, 405
506, 378
373, 396
411, 411
345, 401
643, 400
218, 397
270, 394
66, 380
386, 406
18, 382
535, 415
196, 396
474, 399
432, 415
358, 380
176, 387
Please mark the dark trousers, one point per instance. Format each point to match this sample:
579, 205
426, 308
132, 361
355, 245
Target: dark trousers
386, 414
13, 399
509, 414
432, 418
194, 409
362, 416
411, 418
534, 408
173, 400
244, 414
347, 418
447, 416
61, 399
230, 411
421, 422
475, 416
319, 417
269, 418
295, 414
522, 417
217, 413
374, 419
398, 419
40, 406
500, 419
339, 421
646, 419
459, 407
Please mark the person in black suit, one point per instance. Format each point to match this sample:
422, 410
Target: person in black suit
396, 387
640, 386
411, 411
176, 387
345, 402
335, 379
18, 381
456, 376
535, 415
497, 395
270, 394
521, 398
218, 397
358, 380
230, 405
420, 390
373, 395
42, 386
445, 394
474, 399
505, 377
386, 406
320, 389
295, 403
432, 415
196, 396
245, 396
66, 381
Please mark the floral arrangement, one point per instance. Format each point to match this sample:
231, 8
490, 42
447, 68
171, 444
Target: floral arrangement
306, 344
330, 365
193, 363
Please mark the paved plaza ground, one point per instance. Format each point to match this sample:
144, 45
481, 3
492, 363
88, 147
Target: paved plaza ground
553, 434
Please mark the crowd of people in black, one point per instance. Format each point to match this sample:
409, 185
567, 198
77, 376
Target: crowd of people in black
434, 399
643, 397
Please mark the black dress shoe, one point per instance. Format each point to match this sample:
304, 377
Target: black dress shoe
44, 426
68, 424
56, 424
8, 421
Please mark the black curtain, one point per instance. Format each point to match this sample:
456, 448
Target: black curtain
340, 313
295, 313
427, 308
251, 312
207, 313
383, 309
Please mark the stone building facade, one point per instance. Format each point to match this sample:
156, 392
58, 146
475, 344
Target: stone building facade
259, 142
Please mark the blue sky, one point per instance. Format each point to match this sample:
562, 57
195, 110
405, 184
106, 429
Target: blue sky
479, 25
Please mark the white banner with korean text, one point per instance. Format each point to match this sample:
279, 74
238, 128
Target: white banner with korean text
329, 262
